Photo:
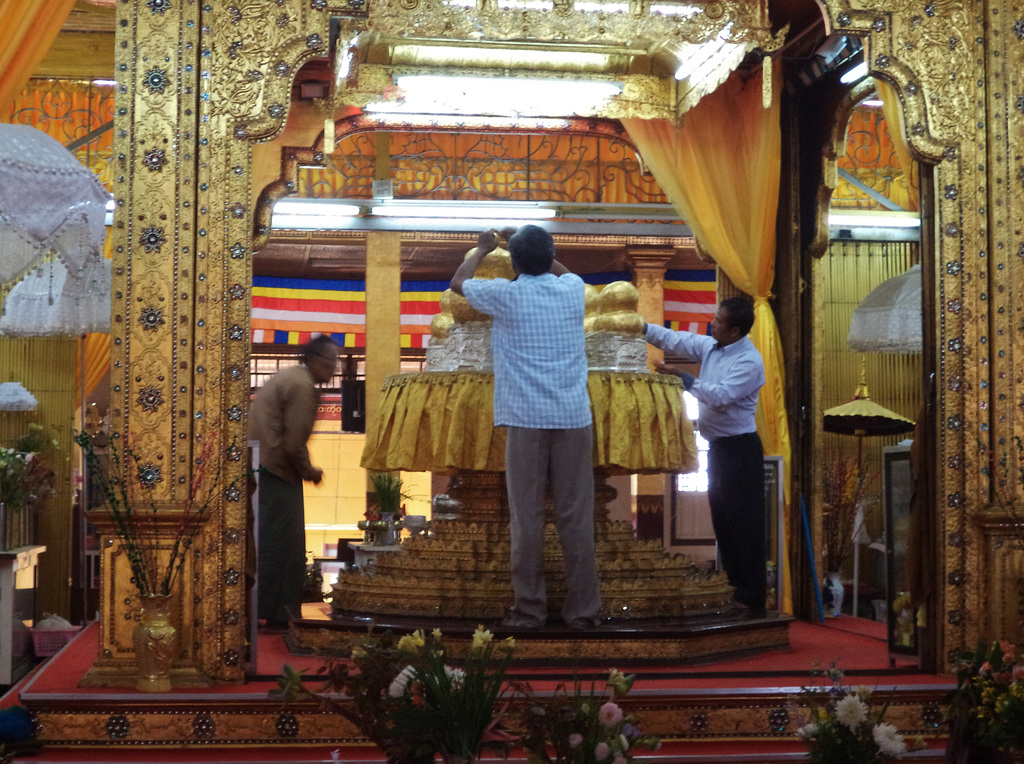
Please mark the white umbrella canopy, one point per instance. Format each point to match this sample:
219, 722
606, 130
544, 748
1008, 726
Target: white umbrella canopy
50, 301
888, 320
49, 203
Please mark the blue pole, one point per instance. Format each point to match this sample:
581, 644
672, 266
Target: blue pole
810, 554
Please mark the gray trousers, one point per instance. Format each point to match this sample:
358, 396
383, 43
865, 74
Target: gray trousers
282, 548
562, 457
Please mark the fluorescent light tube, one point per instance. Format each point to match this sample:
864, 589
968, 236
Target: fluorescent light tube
854, 74
311, 214
476, 210
874, 220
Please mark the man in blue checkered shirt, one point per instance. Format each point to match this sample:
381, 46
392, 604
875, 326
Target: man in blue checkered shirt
540, 397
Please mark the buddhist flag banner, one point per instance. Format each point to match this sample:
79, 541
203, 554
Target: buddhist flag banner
690, 300
421, 301
289, 311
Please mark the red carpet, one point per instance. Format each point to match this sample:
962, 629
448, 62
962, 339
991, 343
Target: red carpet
857, 647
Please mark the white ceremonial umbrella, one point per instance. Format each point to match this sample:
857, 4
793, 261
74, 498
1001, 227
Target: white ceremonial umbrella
52, 301
49, 203
14, 397
888, 320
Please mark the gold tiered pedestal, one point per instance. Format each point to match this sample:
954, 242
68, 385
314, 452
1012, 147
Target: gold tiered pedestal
443, 422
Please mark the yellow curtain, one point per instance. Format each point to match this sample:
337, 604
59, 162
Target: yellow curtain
96, 352
895, 123
720, 169
30, 27
97, 361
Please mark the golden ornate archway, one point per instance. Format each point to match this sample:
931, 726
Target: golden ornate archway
201, 82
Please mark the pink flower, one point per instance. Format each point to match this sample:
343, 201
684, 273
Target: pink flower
619, 760
610, 714
575, 739
601, 751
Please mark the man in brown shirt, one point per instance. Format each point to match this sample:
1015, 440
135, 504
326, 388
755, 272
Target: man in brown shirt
281, 417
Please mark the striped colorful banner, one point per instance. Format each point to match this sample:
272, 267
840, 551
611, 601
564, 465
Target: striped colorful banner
690, 300
289, 311
421, 301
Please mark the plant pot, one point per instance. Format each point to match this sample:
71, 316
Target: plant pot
156, 642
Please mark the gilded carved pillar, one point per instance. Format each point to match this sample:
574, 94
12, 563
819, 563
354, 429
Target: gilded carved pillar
197, 83
648, 267
383, 313
956, 69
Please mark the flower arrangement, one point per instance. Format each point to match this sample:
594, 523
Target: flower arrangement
25, 479
843, 490
26, 482
845, 729
576, 727
987, 707
153, 570
413, 698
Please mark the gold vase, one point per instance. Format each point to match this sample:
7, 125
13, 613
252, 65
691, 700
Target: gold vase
156, 642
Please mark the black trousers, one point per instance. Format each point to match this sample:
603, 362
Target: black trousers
736, 496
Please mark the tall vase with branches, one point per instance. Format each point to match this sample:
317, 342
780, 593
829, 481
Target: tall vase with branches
155, 563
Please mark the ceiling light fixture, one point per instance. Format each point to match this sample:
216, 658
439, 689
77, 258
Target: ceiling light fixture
854, 74
475, 210
703, 54
523, 96
853, 219
311, 214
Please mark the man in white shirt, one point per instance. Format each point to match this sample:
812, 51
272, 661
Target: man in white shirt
541, 398
731, 377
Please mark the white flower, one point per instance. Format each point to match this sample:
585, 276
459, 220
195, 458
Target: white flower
575, 739
401, 682
623, 742
888, 740
609, 714
851, 711
807, 731
455, 676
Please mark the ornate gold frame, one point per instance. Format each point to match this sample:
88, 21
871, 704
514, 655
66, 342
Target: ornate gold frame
201, 82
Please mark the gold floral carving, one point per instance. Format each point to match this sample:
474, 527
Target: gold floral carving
438, 20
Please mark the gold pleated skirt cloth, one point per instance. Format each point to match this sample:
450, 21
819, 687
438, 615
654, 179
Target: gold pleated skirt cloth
444, 421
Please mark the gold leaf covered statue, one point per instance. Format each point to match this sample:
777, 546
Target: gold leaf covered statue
617, 305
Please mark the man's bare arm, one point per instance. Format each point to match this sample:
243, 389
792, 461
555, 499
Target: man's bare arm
486, 243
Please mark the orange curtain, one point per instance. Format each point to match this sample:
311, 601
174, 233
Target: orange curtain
720, 169
30, 27
97, 361
897, 127
96, 351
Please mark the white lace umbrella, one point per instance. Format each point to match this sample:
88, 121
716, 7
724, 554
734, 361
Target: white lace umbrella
50, 301
49, 202
888, 320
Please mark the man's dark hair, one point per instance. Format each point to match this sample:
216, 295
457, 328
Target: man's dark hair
740, 312
532, 250
317, 346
